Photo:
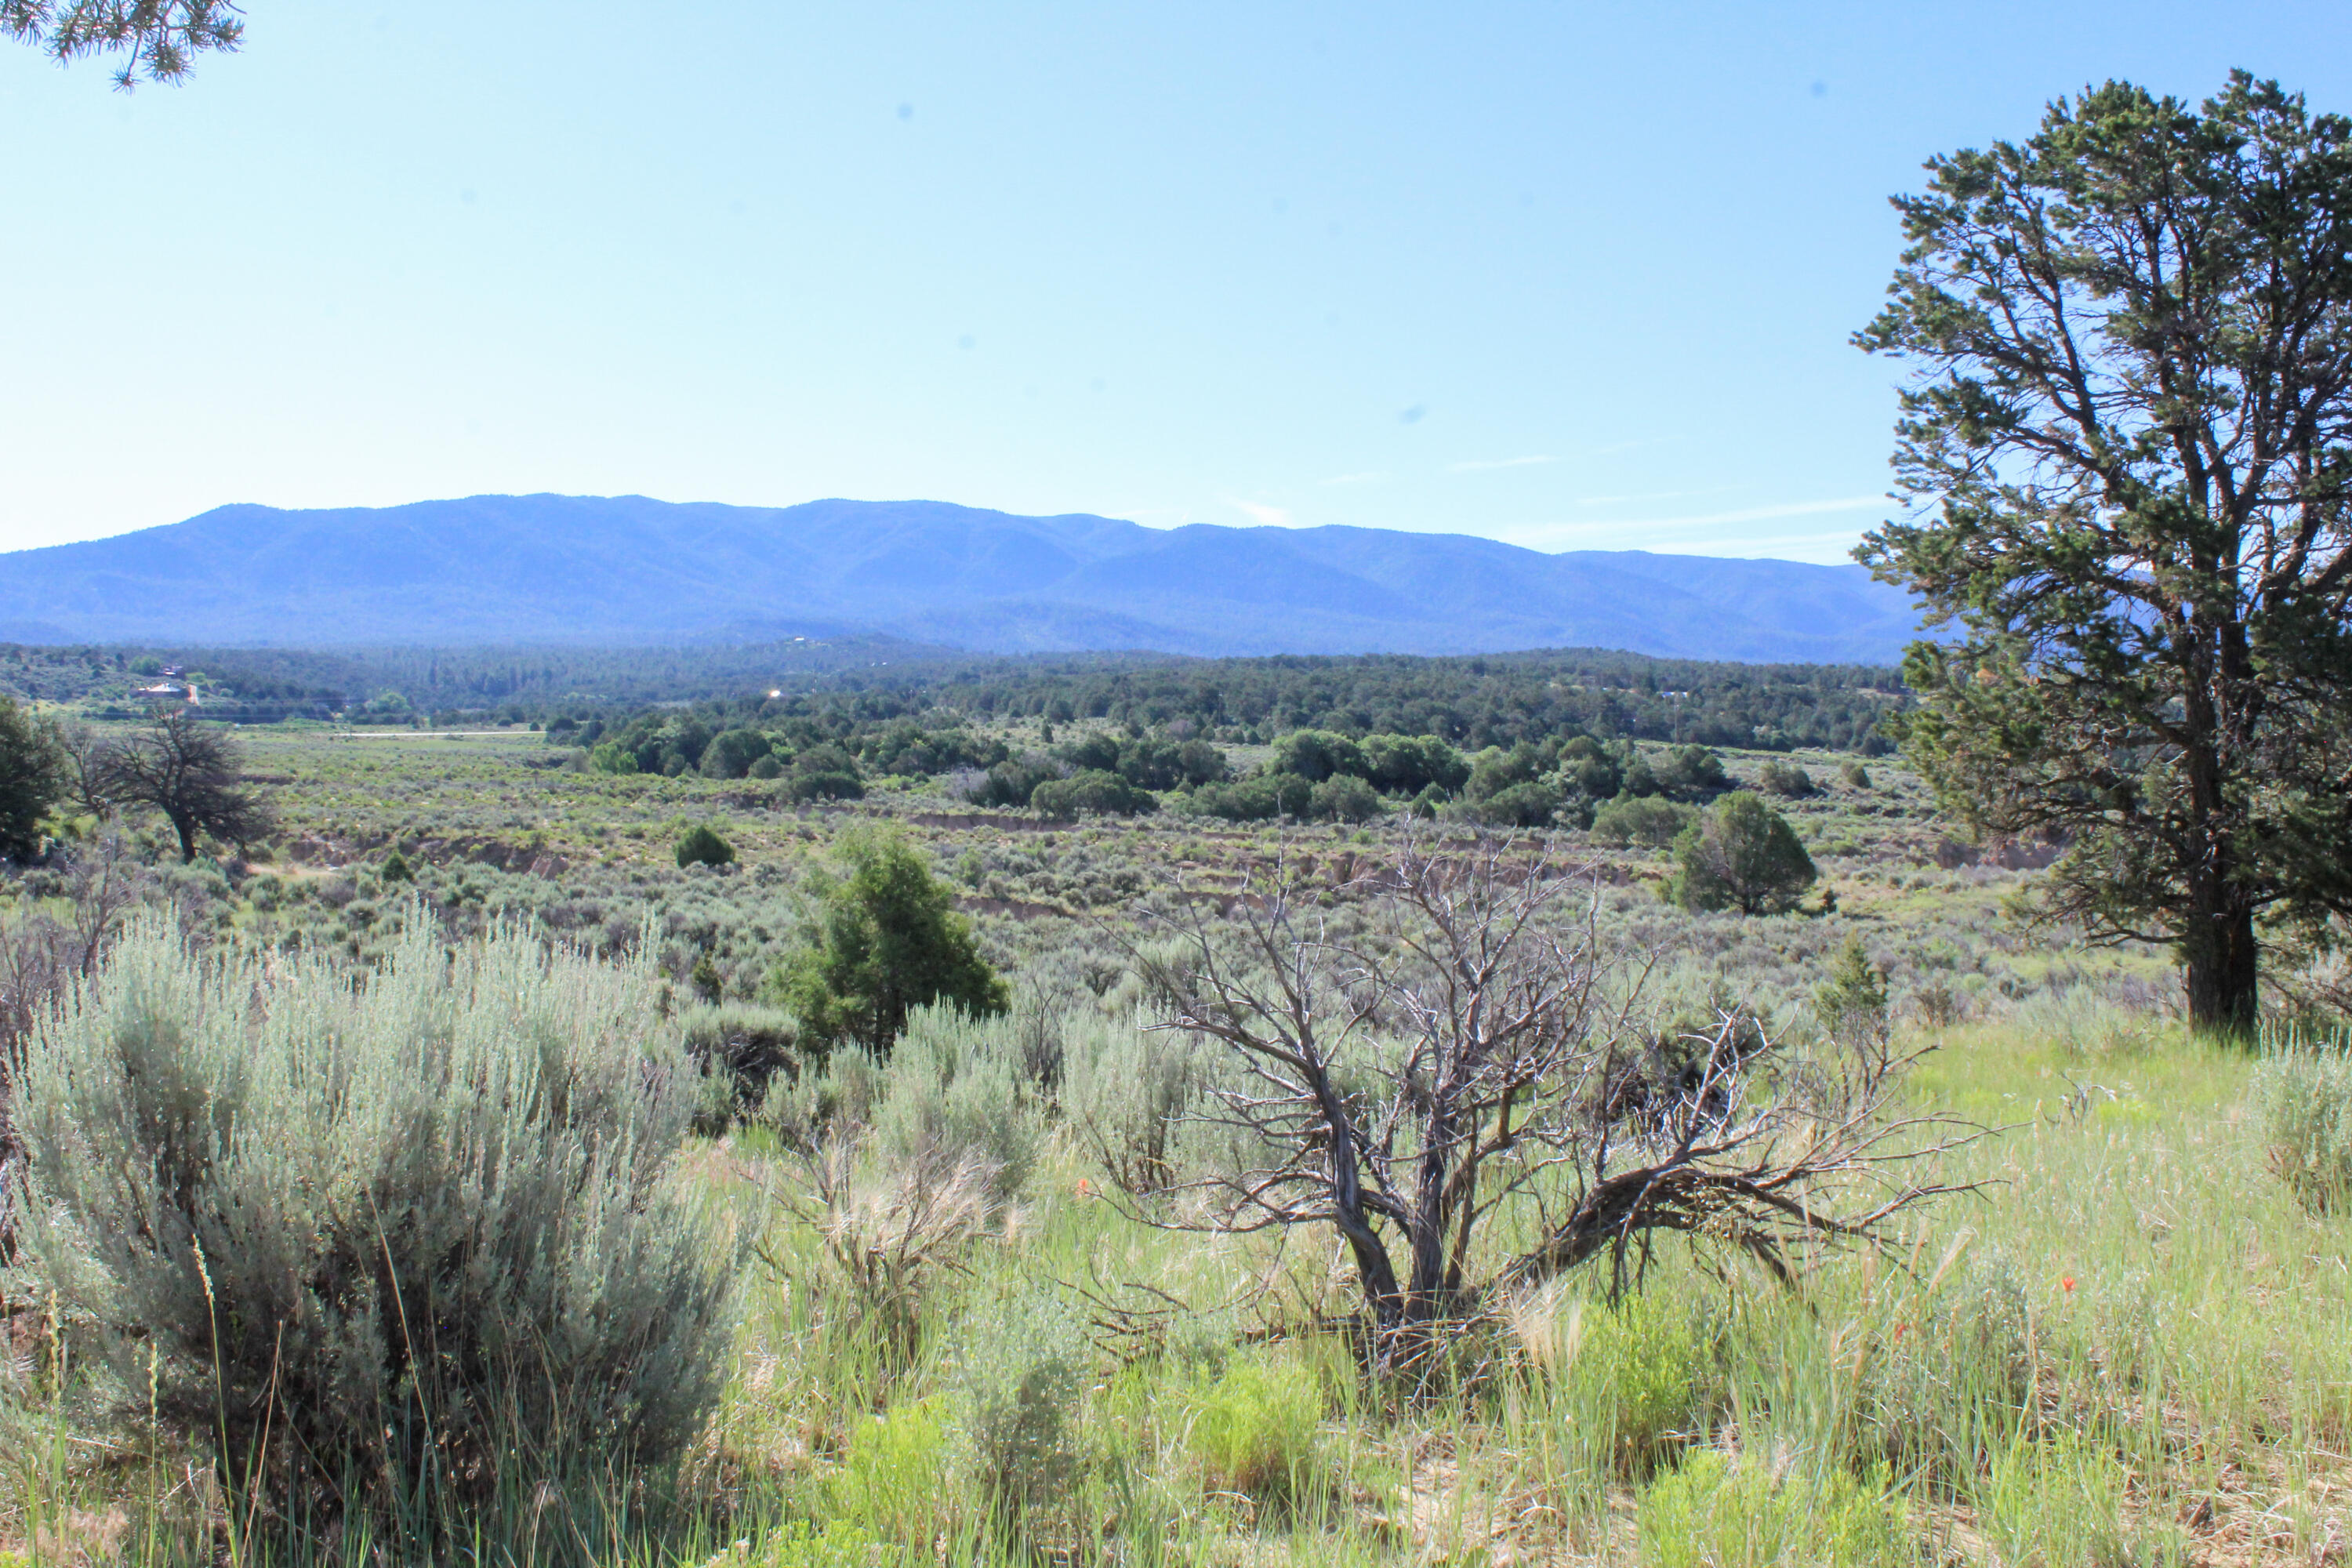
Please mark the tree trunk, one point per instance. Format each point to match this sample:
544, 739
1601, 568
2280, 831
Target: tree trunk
1425, 1272
185, 827
1375, 1275
2219, 950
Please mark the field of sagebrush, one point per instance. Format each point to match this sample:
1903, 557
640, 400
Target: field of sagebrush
968, 1303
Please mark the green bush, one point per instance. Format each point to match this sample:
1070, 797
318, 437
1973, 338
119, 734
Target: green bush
701, 845
1495, 770
1407, 764
1020, 1368
1013, 782
1693, 770
411, 1238
1741, 855
1851, 1003
1256, 1430
1640, 819
1252, 799
825, 772
1315, 755
2303, 1094
893, 1479
1717, 1513
886, 939
1645, 1368
1094, 789
1785, 778
1343, 797
804, 787
731, 752
1201, 763
612, 757
1529, 804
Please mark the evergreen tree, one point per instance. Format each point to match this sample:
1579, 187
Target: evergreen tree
886, 939
1741, 855
2127, 450
33, 778
701, 845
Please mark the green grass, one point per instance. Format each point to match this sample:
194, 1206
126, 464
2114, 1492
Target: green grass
2129, 1348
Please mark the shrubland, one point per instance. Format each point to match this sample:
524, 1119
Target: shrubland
987, 1294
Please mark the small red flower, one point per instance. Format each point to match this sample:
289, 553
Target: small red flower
1898, 1331
1086, 1190
2066, 1283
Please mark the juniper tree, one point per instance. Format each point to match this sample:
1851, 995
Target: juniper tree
191, 772
886, 939
1741, 855
33, 778
2127, 449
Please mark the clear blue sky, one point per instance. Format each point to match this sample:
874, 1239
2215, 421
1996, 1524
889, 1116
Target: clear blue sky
1569, 275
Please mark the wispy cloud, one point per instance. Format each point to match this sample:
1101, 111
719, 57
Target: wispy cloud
1760, 514
1828, 547
1668, 532
1267, 516
1640, 526
1480, 466
1377, 477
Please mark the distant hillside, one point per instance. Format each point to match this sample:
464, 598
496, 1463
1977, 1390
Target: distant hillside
566, 569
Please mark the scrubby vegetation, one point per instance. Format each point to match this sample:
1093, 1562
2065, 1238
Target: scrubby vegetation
393, 1248
959, 1233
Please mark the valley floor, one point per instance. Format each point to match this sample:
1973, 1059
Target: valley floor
2130, 1343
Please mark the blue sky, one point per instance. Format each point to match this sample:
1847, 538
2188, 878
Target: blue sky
1579, 277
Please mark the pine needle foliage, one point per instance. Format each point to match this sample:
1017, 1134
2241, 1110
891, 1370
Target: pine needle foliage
158, 40
395, 1243
1741, 855
886, 939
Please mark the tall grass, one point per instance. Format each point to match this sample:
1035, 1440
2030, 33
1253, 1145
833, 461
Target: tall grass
2127, 1347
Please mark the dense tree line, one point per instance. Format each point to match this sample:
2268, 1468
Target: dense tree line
1472, 701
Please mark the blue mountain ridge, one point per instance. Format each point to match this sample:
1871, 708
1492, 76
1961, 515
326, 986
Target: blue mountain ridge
627, 570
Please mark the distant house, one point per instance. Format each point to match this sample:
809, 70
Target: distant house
173, 691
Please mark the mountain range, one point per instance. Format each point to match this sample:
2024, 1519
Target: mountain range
627, 570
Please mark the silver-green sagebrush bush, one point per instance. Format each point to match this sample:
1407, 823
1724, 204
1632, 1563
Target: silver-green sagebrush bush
1022, 1369
1126, 1090
954, 1088
409, 1238
2304, 1092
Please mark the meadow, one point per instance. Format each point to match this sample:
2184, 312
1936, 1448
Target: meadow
961, 1326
